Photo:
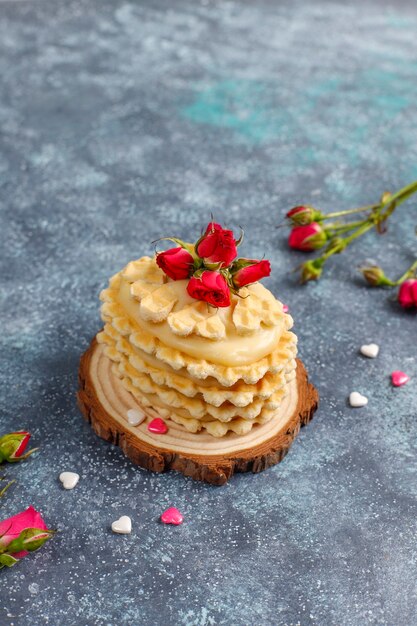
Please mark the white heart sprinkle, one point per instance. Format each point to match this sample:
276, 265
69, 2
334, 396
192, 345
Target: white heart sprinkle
356, 399
122, 526
135, 417
370, 350
69, 479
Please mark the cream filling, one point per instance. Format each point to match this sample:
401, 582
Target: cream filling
232, 351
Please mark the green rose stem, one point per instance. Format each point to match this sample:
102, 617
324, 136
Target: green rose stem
312, 270
341, 228
361, 209
408, 274
401, 195
3, 491
336, 246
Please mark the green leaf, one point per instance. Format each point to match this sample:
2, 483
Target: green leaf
238, 264
7, 560
183, 244
213, 267
33, 538
199, 273
23, 457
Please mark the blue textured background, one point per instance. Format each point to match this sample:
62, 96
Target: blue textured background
124, 121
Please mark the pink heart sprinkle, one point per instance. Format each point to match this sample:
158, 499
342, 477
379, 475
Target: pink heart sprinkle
399, 378
285, 308
157, 426
172, 516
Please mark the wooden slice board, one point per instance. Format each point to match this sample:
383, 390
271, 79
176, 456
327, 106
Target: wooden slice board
104, 402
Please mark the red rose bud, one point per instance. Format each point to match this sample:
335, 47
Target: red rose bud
375, 276
303, 215
311, 270
210, 287
12, 528
177, 263
407, 293
307, 238
251, 273
217, 245
29, 540
13, 445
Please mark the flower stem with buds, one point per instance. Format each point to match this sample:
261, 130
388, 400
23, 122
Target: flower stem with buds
340, 236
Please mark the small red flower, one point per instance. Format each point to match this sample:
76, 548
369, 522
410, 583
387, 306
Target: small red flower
11, 528
302, 215
251, 273
407, 294
13, 446
307, 238
217, 245
210, 287
177, 263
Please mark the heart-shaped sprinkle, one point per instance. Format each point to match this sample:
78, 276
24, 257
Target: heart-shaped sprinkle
370, 350
135, 417
69, 479
122, 526
172, 516
399, 378
356, 399
285, 308
157, 426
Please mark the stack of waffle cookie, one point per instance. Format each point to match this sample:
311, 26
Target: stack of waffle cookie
218, 370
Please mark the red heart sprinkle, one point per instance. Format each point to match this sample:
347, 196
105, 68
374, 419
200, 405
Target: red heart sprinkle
399, 378
172, 516
157, 426
285, 308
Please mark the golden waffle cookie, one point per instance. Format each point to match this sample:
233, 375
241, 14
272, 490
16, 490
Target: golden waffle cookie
240, 394
196, 407
215, 428
197, 318
260, 308
193, 407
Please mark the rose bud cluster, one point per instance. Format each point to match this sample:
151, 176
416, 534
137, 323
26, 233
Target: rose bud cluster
21, 534
303, 215
211, 265
407, 294
13, 446
311, 231
308, 238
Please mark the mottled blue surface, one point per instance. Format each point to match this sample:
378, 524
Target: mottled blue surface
124, 121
